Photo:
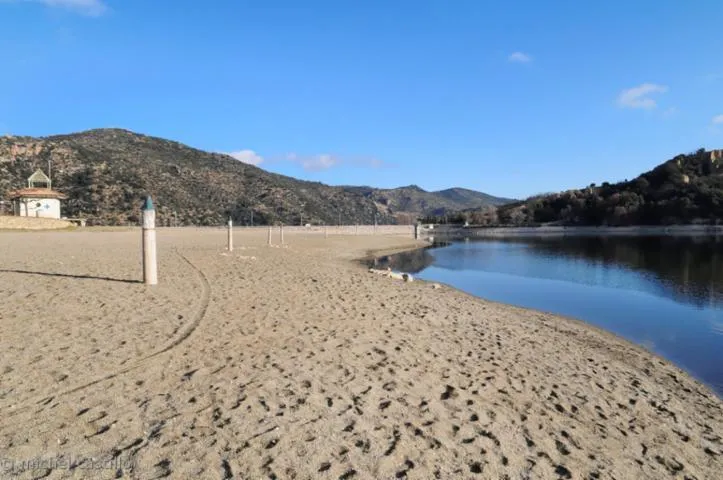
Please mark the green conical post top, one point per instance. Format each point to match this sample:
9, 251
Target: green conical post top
147, 204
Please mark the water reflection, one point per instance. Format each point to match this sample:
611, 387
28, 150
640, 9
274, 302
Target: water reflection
665, 293
409, 262
687, 269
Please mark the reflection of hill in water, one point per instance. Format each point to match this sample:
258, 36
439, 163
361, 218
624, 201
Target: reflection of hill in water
409, 262
688, 269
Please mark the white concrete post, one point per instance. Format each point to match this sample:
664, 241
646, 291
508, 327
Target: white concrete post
269, 238
150, 267
281, 233
230, 235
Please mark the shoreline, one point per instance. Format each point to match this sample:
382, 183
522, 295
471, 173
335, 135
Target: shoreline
296, 362
643, 230
578, 322
593, 329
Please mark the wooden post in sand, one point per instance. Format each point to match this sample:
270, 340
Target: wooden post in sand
269, 238
416, 231
150, 267
281, 233
326, 231
356, 229
230, 235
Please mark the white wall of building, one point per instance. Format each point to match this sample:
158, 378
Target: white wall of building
37, 207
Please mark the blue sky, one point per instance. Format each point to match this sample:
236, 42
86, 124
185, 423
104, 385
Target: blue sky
511, 98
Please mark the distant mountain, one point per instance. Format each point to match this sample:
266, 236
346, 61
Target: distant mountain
106, 173
686, 189
416, 200
472, 198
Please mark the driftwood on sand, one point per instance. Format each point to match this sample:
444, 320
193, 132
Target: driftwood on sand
388, 273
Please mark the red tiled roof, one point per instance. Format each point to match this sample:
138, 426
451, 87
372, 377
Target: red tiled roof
36, 193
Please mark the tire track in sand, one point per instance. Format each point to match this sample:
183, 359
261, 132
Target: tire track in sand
200, 313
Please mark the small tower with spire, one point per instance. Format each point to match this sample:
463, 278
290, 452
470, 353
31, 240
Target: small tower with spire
39, 180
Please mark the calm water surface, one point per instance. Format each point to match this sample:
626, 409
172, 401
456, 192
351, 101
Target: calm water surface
665, 293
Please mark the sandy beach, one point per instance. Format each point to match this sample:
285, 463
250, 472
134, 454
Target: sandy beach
297, 363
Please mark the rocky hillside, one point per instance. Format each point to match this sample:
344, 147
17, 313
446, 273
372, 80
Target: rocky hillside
414, 199
471, 198
107, 172
687, 189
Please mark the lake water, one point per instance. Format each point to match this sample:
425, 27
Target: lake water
665, 293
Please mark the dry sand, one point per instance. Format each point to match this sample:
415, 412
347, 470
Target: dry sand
298, 363
8, 222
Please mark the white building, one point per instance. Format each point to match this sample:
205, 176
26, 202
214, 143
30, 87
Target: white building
38, 200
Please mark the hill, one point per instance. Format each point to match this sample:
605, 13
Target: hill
463, 196
421, 202
106, 173
687, 189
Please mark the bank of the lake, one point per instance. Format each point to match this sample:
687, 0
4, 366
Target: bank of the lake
296, 362
558, 230
665, 293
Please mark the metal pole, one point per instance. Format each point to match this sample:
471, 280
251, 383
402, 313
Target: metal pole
150, 267
230, 235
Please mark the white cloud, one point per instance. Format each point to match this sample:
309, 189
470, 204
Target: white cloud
367, 162
718, 120
92, 8
247, 156
325, 161
519, 57
375, 163
670, 112
639, 97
